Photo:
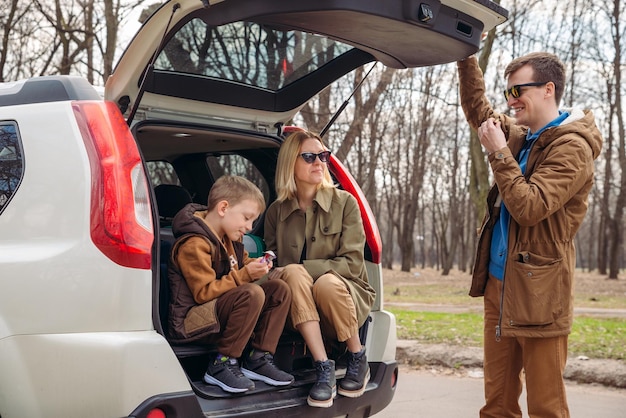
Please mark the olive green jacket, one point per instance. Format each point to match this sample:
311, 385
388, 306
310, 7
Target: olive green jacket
335, 239
547, 205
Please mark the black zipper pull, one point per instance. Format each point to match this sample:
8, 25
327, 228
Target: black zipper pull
498, 333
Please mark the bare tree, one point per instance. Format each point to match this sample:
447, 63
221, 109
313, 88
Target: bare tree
605, 212
61, 37
71, 37
22, 41
12, 15
617, 223
414, 126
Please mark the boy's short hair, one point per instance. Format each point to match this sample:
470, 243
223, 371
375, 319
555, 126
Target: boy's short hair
234, 189
546, 67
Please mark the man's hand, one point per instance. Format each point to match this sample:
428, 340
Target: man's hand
491, 135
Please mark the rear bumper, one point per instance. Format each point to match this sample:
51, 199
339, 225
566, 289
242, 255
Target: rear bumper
284, 402
182, 404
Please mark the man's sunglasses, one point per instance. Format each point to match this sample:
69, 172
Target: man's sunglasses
515, 91
310, 157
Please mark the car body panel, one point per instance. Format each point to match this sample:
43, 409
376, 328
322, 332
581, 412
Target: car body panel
44, 232
79, 375
76, 331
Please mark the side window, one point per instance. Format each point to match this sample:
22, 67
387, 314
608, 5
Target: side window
161, 172
236, 165
11, 162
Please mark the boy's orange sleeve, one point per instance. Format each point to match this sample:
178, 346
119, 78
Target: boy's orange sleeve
195, 260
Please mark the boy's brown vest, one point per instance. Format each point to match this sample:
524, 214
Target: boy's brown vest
189, 321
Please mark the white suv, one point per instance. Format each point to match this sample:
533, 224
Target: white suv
86, 202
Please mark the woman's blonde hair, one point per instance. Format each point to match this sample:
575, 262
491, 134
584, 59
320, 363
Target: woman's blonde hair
285, 167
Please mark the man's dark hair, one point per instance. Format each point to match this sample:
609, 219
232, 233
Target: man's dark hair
546, 67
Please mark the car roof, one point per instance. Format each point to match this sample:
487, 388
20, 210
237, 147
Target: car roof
243, 62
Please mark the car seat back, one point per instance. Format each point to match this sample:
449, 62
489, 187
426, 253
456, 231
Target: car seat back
170, 199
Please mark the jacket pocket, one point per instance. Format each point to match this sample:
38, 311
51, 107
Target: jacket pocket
535, 289
202, 320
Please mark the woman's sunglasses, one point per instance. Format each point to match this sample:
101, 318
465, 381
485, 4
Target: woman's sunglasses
310, 157
515, 91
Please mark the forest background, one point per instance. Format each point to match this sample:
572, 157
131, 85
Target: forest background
402, 135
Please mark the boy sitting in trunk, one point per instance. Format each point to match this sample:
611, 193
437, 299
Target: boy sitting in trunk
214, 297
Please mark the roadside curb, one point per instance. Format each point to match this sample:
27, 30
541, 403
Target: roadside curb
610, 373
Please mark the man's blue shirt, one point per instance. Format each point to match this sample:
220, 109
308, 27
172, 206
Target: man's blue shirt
499, 239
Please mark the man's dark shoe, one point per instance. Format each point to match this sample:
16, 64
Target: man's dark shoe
264, 369
357, 375
324, 390
225, 373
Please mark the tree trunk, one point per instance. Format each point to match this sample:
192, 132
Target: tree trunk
617, 234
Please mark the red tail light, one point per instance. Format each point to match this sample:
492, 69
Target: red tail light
372, 235
121, 216
156, 413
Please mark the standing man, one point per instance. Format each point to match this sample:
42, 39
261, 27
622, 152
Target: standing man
542, 163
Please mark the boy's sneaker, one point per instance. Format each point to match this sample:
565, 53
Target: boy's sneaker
324, 390
357, 375
225, 373
264, 369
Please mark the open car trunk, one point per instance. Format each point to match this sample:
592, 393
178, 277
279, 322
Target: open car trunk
207, 81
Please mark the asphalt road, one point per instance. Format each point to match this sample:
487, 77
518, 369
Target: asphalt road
421, 393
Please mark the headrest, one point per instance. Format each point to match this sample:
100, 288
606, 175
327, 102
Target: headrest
170, 199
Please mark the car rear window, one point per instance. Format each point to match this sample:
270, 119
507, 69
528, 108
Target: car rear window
11, 162
247, 53
162, 172
236, 165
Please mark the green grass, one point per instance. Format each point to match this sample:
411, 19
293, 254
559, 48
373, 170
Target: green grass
593, 337
439, 294
440, 328
429, 286
446, 294
585, 300
598, 337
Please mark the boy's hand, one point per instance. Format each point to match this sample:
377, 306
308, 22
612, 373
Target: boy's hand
268, 256
258, 268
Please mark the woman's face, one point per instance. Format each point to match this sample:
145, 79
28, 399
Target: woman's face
313, 173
